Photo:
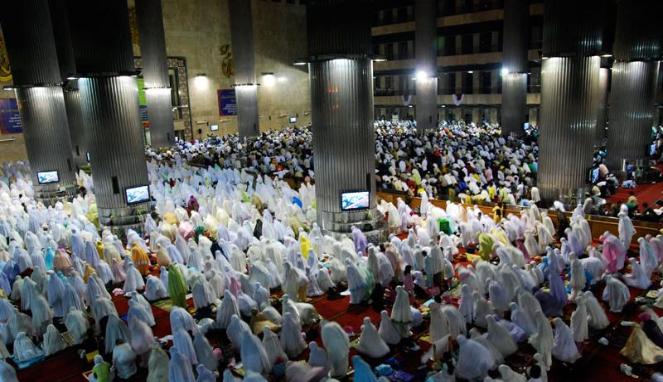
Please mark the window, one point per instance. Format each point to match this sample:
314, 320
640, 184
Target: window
485, 39
468, 83
449, 45
467, 44
485, 82
402, 50
451, 81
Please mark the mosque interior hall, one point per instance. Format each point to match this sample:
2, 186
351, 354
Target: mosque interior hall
331, 190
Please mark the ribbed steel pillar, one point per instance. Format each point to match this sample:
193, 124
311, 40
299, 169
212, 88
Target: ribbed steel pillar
602, 119
246, 90
343, 137
77, 131
514, 103
573, 38
46, 135
28, 34
341, 77
515, 66
109, 100
67, 64
426, 67
569, 109
631, 111
638, 47
155, 72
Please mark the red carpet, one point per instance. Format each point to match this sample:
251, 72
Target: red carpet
646, 193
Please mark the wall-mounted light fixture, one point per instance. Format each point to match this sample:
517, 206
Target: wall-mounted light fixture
200, 81
268, 79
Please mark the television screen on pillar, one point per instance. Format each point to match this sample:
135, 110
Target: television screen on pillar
136, 195
48, 177
354, 200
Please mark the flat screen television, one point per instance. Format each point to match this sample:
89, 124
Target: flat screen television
354, 200
138, 194
48, 177
293, 119
214, 127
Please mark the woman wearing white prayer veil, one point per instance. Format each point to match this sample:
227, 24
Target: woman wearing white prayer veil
53, 341
157, 365
116, 330
616, 294
520, 318
227, 310
579, 321
564, 348
141, 336
317, 356
474, 360
508, 375
597, 318
25, 349
204, 374
154, 289
77, 325
182, 341
179, 367
337, 343
638, 277
253, 354
181, 319
370, 342
625, 229
204, 351
401, 314
41, 313
56, 294
499, 336
291, 336
137, 310
134, 279
498, 296
7, 372
273, 349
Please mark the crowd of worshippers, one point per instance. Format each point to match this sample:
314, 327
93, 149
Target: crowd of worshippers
457, 161
479, 286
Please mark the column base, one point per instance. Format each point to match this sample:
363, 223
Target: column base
119, 220
340, 224
570, 198
50, 194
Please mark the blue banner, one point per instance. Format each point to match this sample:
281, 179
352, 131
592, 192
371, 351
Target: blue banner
10, 119
227, 102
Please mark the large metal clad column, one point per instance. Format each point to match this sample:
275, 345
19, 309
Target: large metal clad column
28, 33
569, 108
67, 64
573, 39
246, 87
426, 68
341, 76
515, 66
631, 112
638, 47
109, 99
155, 72
602, 119
77, 124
